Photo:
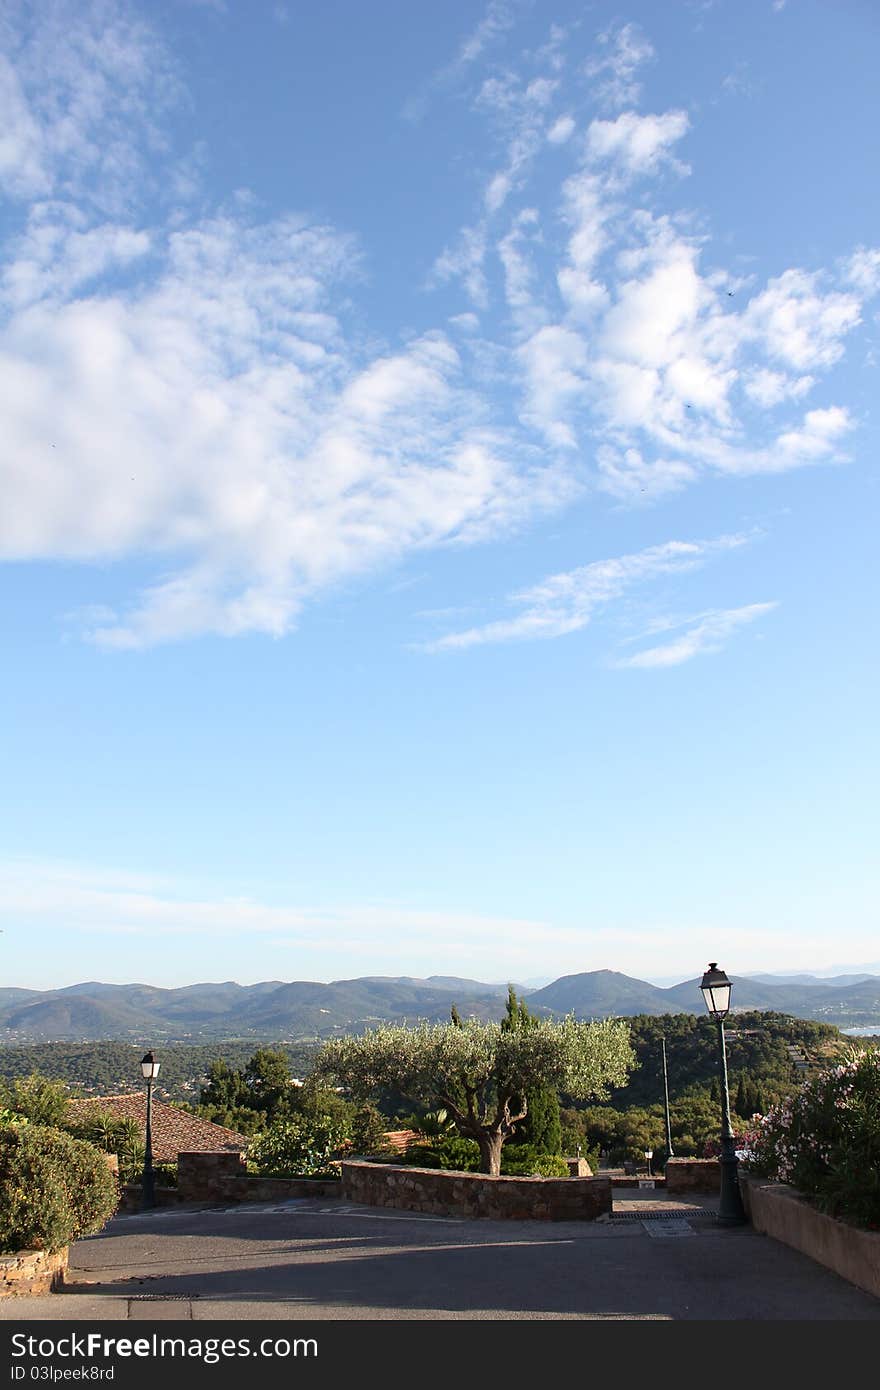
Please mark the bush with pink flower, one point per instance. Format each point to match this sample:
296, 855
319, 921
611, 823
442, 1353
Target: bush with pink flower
824, 1140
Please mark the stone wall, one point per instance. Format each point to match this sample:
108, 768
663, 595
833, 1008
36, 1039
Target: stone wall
444, 1193
223, 1177
31, 1271
692, 1175
210, 1177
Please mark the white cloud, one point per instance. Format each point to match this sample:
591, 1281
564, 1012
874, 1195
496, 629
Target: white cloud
862, 270
566, 602
655, 349
216, 417
554, 362
500, 16
709, 634
626, 474
586, 212
768, 388
465, 260
187, 389
638, 144
561, 130
622, 51
799, 325
81, 92
519, 271
59, 254
818, 435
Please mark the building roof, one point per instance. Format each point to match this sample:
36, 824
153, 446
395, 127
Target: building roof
173, 1131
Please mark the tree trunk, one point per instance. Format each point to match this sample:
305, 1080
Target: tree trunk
490, 1152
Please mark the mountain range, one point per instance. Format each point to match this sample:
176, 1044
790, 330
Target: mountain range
298, 1010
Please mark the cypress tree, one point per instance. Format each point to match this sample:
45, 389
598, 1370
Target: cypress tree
542, 1126
741, 1103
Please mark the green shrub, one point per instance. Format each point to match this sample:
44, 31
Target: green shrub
449, 1151
53, 1189
300, 1146
38, 1099
463, 1155
368, 1131
525, 1160
825, 1140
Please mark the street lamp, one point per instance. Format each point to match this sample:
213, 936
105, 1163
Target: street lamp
150, 1070
649, 1154
715, 988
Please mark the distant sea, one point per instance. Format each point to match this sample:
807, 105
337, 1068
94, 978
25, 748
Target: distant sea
861, 1032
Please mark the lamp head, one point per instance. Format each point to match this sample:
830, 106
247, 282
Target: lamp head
715, 988
150, 1067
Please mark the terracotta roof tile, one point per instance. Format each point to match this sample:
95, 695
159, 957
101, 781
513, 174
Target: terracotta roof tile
173, 1131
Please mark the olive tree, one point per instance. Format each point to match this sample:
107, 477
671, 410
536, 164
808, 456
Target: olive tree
481, 1073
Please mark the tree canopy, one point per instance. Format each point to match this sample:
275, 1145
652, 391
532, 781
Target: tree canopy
481, 1073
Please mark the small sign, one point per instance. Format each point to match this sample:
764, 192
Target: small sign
647, 1182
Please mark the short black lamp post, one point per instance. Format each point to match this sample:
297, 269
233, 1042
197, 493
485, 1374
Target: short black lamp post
150, 1070
715, 988
649, 1154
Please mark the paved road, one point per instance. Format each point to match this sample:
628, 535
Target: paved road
330, 1260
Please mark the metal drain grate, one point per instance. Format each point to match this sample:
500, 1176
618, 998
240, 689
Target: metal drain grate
662, 1216
162, 1297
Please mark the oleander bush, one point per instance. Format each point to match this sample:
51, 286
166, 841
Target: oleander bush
825, 1140
53, 1188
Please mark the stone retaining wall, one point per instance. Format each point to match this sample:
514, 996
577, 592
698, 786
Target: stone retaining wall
781, 1212
32, 1271
223, 1177
444, 1193
692, 1175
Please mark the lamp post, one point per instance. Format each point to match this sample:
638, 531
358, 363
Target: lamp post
669, 1153
715, 988
649, 1154
150, 1070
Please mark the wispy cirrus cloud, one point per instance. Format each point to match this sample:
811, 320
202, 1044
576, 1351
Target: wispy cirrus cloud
83, 92
626, 347
188, 388
565, 603
187, 385
707, 633
499, 17
80, 901
621, 51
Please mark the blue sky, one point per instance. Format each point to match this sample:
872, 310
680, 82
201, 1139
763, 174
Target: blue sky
439, 488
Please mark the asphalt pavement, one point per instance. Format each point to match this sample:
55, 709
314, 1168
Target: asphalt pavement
314, 1259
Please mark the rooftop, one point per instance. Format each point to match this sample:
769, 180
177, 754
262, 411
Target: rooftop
173, 1131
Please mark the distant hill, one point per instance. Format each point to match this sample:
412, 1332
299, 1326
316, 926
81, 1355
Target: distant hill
822, 981
599, 993
269, 1010
308, 1010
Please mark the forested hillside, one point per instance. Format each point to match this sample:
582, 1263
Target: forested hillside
757, 1049
107, 1068
768, 1055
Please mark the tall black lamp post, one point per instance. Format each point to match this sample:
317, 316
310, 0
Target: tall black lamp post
715, 988
150, 1070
